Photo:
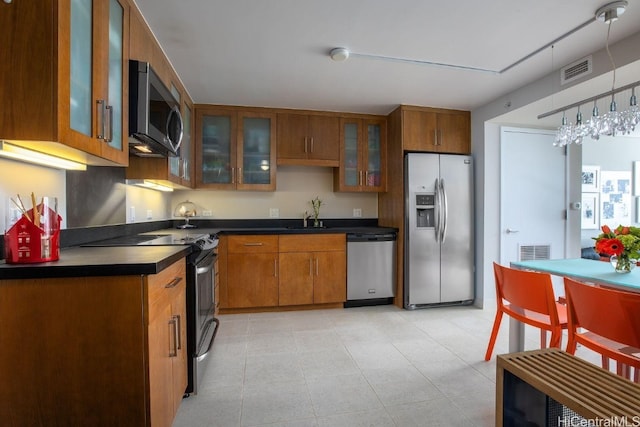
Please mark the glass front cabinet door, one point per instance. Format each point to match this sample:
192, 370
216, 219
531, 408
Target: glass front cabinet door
98, 57
256, 154
235, 150
362, 156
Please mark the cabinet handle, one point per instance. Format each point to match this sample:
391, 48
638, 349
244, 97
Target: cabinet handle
173, 349
366, 178
312, 144
310, 266
108, 123
435, 137
317, 268
239, 175
275, 267
173, 283
254, 244
233, 175
360, 178
178, 336
305, 144
100, 119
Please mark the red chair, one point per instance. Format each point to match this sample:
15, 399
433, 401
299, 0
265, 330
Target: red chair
528, 297
606, 321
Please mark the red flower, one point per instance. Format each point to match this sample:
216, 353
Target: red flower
624, 230
606, 229
609, 246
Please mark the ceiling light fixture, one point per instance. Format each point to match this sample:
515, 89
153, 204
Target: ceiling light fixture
339, 54
613, 122
611, 11
16, 152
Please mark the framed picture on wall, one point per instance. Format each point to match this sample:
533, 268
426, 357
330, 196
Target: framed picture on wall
590, 179
615, 198
590, 210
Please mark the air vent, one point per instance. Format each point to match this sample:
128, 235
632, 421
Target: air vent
534, 252
576, 70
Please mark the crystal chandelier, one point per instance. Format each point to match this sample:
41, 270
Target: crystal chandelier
611, 123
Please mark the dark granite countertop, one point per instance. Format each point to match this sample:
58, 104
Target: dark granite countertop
297, 230
99, 261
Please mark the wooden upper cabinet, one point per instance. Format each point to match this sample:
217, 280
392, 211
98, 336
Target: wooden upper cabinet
64, 67
363, 155
436, 130
235, 149
308, 139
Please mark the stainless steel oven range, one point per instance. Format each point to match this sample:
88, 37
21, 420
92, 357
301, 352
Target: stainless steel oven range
201, 323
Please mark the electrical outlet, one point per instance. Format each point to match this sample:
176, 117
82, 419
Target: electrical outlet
207, 213
357, 213
132, 214
149, 214
274, 213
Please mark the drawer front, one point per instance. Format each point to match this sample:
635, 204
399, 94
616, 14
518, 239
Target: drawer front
313, 242
253, 244
161, 286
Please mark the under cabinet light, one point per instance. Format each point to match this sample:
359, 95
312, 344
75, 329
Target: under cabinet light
16, 152
145, 183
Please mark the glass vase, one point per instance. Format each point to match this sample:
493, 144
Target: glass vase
622, 263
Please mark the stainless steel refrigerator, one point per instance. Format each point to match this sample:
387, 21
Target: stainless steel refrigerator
438, 246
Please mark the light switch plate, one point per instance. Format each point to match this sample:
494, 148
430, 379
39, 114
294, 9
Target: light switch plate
207, 213
357, 213
274, 213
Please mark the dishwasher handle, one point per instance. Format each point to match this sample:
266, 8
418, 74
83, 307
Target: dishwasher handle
364, 237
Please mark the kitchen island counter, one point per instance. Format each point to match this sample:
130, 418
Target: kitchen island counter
99, 261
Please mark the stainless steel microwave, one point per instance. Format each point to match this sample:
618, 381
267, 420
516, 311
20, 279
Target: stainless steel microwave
155, 123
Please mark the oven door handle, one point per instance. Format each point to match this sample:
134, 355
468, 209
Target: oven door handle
202, 356
206, 268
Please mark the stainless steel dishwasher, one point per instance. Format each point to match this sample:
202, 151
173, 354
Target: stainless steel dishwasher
371, 268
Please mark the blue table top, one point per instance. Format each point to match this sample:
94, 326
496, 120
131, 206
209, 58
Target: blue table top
585, 270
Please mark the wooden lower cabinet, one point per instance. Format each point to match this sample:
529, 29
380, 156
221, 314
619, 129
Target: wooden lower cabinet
253, 280
312, 269
330, 284
286, 270
252, 271
98, 351
167, 343
296, 278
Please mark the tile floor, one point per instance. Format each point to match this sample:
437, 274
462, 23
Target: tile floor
368, 366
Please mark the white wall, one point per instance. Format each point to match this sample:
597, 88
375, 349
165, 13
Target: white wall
24, 178
296, 186
484, 121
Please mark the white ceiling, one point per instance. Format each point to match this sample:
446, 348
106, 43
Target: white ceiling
275, 53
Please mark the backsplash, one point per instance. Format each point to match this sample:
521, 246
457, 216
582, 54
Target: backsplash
96, 197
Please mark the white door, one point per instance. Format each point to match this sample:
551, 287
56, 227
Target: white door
532, 196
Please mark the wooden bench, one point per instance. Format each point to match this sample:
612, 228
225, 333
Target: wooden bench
550, 387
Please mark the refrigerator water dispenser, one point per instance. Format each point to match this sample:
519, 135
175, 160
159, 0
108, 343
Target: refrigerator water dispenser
425, 210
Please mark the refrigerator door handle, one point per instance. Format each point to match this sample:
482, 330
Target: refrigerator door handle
445, 211
438, 208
